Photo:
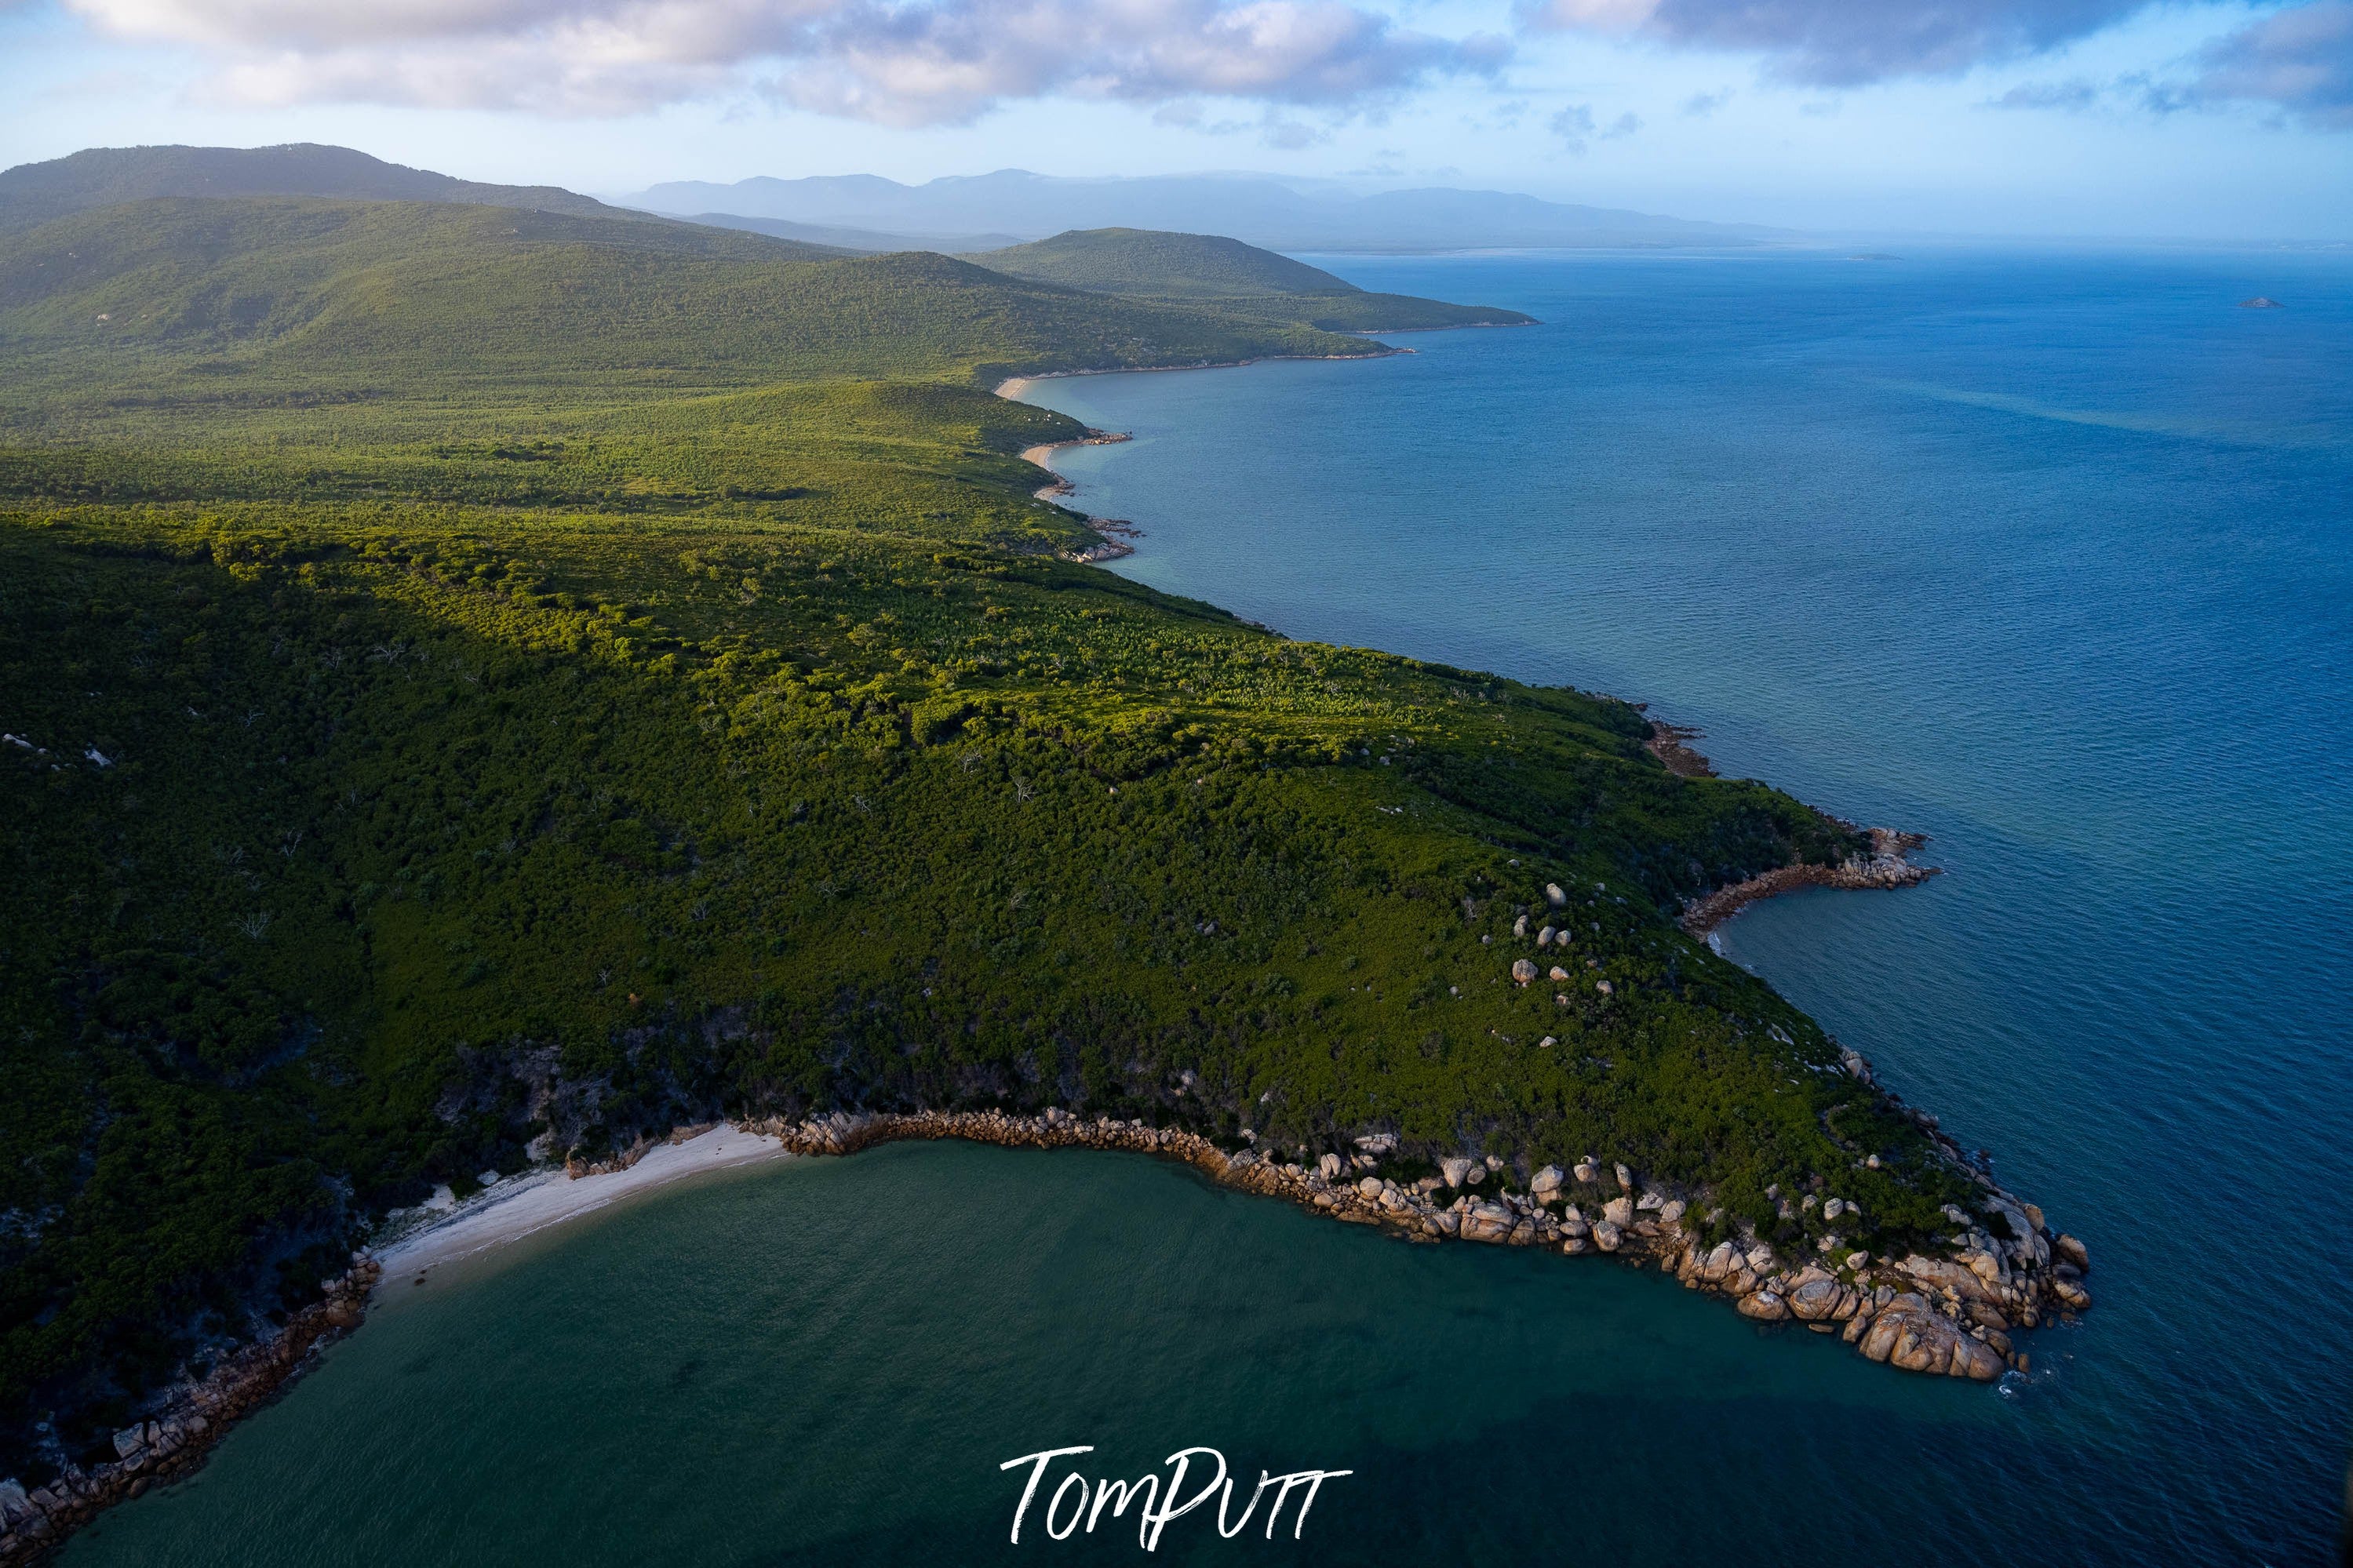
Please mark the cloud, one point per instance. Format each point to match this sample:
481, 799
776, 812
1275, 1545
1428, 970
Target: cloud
1292, 135
1574, 125
1277, 130
2299, 60
2076, 93
1701, 104
1843, 43
913, 63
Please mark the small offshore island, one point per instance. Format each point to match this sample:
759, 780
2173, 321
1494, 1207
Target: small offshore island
461, 722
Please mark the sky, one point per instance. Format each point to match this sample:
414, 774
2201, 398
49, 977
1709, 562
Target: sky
2052, 117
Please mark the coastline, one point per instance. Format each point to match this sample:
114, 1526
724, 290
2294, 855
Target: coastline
1445, 327
1943, 1316
1949, 1315
523, 1207
1117, 530
1012, 386
1886, 867
1957, 1327
175, 1437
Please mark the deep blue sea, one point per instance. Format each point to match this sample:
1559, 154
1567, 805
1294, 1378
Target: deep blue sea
2047, 555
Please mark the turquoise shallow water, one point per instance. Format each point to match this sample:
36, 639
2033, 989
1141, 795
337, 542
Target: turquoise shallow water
2047, 556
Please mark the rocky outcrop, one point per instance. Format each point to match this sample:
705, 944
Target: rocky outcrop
1671, 743
1944, 1315
182, 1427
1882, 865
1911, 1334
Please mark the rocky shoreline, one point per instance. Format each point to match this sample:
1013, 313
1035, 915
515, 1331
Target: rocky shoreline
1885, 865
1671, 743
181, 1428
1949, 1315
1118, 530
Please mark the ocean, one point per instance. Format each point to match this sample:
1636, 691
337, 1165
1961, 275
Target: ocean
2048, 555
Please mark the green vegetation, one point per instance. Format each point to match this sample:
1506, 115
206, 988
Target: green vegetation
483, 685
292, 297
33, 194
1170, 266
1232, 277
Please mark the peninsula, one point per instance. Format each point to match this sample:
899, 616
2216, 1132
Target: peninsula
486, 683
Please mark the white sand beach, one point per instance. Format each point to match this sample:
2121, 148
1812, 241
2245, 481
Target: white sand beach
526, 1206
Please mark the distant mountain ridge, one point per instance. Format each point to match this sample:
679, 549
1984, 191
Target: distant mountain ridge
33, 193
1259, 209
869, 240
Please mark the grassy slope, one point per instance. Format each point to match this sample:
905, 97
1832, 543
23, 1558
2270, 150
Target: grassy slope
534, 767
1236, 279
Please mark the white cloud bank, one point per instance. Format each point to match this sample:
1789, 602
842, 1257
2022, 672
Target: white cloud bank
925, 62
2298, 58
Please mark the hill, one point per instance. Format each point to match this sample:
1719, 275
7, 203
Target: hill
1141, 260
482, 687
33, 194
1257, 209
1235, 278
338, 296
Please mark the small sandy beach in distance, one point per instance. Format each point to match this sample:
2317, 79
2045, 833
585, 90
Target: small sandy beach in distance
526, 1205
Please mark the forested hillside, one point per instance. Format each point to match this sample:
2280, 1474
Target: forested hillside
481, 686
284, 295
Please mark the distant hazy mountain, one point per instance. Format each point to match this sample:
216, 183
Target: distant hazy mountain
103, 176
871, 241
1257, 209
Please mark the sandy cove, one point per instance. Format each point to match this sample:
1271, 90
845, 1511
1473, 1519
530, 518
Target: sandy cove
1946, 1315
524, 1205
1037, 456
1117, 530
